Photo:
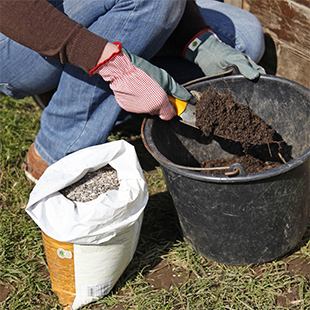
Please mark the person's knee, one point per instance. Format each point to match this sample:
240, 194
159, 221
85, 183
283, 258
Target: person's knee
235, 27
253, 38
256, 48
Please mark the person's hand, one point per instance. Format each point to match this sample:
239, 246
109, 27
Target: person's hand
139, 86
214, 56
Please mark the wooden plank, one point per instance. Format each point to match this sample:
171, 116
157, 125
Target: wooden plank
237, 3
288, 24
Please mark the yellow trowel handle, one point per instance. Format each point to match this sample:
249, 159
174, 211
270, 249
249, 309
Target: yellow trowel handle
179, 105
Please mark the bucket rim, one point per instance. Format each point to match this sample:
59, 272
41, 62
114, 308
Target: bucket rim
267, 77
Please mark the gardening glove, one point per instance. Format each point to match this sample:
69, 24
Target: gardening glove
139, 86
214, 56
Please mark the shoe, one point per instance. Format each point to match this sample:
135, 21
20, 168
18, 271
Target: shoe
34, 165
42, 100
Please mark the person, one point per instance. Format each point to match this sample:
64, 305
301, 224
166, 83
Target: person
100, 55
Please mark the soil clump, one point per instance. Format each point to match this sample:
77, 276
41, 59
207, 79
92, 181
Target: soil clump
241, 132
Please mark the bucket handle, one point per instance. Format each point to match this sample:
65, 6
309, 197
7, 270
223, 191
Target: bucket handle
235, 170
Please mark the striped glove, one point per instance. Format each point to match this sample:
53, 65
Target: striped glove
139, 86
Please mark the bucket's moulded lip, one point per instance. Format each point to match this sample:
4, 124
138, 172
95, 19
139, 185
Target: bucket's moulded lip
267, 77
152, 149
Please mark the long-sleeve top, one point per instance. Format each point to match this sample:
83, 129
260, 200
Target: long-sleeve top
36, 24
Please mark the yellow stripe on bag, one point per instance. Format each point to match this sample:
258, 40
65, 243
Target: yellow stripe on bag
179, 105
60, 260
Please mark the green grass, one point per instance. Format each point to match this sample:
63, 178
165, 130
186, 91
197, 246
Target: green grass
200, 284
22, 263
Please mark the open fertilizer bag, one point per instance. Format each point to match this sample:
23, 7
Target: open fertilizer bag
88, 245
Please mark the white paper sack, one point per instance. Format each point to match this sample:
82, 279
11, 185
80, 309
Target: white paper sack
101, 219
97, 268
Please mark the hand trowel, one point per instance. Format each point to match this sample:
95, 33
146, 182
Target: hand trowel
185, 110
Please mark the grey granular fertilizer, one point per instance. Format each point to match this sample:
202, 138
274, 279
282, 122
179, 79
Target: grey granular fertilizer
92, 185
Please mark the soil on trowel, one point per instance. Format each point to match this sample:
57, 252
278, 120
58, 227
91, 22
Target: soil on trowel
241, 132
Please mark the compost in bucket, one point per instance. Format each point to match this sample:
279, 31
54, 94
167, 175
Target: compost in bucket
254, 144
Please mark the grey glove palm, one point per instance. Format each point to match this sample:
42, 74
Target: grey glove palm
214, 56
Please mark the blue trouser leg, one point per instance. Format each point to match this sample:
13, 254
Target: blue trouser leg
83, 110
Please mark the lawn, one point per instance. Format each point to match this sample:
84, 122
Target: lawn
165, 272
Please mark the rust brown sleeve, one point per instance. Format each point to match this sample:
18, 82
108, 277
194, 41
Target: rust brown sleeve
39, 26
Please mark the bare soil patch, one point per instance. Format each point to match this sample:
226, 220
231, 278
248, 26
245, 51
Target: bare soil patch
164, 276
4, 292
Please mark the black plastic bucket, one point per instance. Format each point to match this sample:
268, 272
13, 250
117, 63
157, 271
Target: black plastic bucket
246, 219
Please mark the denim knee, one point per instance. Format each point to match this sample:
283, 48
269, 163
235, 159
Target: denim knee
235, 27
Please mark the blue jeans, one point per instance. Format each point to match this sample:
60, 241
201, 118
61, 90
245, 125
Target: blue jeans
83, 110
235, 27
